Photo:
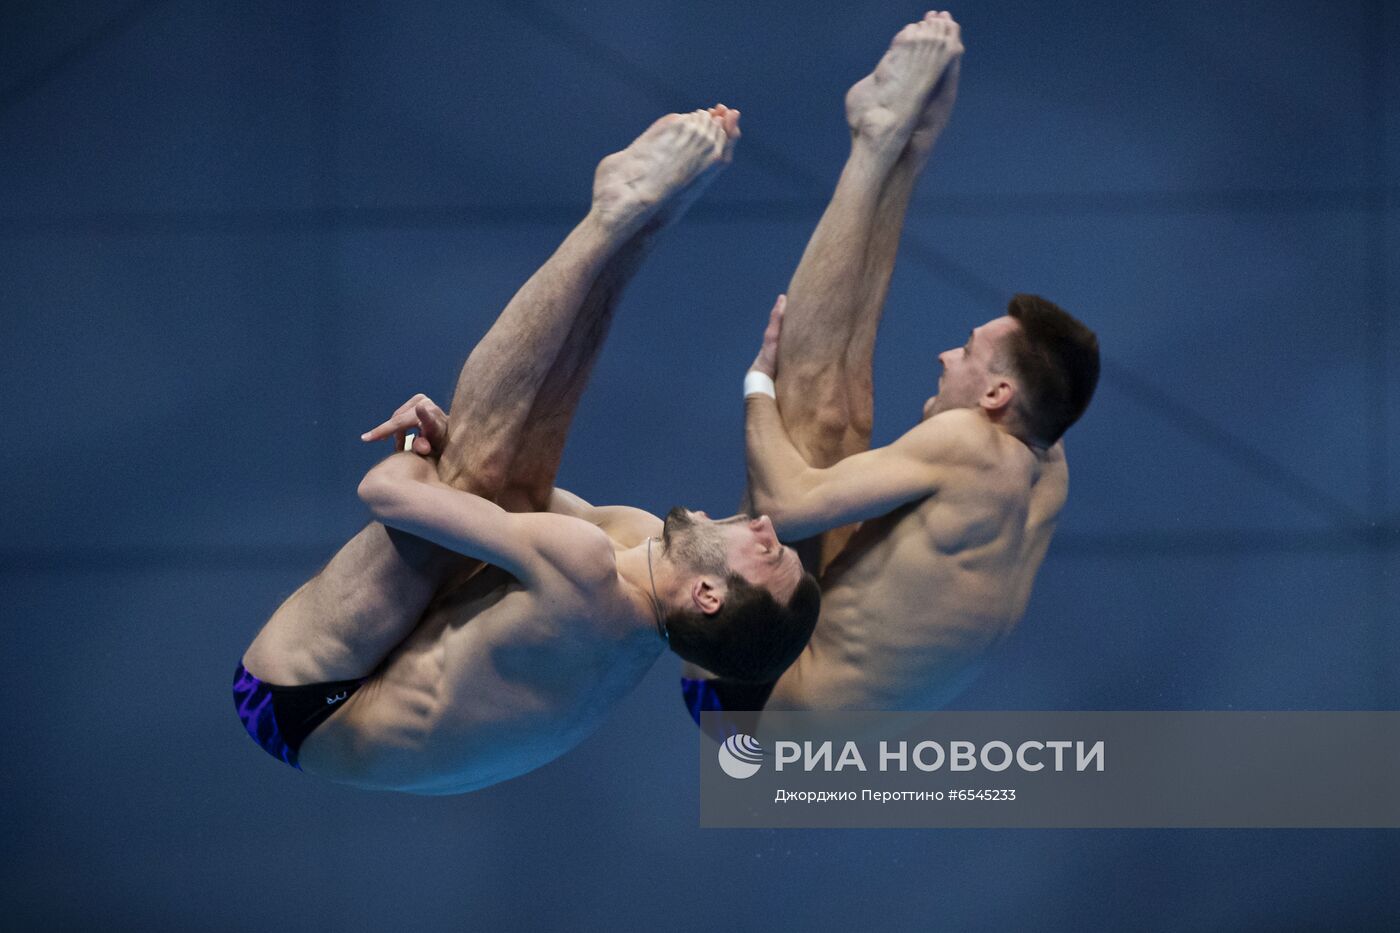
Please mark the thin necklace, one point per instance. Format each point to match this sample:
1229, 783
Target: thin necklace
655, 602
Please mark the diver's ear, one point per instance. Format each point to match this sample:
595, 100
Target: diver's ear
707, 594
998, 396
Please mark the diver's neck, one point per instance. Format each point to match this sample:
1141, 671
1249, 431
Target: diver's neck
646, 582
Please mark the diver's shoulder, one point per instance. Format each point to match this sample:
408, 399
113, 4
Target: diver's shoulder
1053, 473
1053, 459
960, 436
581, 553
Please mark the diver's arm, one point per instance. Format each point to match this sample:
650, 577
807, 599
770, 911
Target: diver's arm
804, 501
404, 492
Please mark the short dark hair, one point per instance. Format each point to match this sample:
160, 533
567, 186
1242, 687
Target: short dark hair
1056, 359
751, 638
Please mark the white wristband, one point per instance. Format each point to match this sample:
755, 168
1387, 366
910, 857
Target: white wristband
757, 383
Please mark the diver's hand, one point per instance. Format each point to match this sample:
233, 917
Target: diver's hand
420, 414
767, 360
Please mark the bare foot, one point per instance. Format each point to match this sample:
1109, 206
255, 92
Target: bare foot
728, 118
663, 169
674, 208
886, 106
937, 109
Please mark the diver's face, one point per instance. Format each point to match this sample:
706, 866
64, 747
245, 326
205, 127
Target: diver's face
968, 370
690, 540
744, 544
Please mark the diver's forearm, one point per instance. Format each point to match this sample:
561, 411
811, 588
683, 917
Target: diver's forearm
776, 469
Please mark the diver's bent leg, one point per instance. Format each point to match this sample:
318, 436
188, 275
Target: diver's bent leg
536, 359
501, 379
342, 622
345, 620
530, 479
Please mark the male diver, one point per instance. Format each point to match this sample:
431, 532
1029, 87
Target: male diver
926, 548
485, 622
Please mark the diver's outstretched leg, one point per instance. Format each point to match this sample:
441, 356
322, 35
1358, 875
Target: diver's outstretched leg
836, 295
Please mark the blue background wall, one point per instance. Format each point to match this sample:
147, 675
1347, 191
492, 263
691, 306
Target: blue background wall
234, 235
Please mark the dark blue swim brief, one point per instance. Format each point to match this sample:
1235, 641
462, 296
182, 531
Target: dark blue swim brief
722, 696
280, 718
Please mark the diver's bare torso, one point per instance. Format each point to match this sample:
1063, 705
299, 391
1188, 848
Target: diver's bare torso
497, 679
914, 601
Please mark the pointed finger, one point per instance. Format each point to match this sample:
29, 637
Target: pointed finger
395, 424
